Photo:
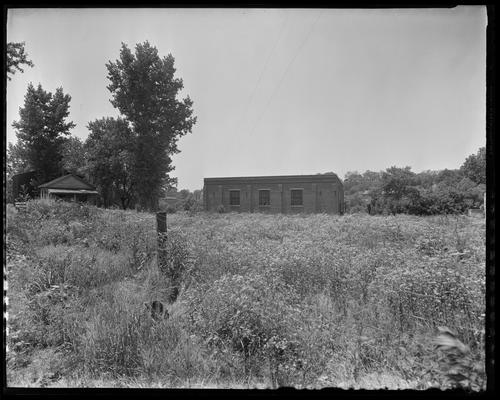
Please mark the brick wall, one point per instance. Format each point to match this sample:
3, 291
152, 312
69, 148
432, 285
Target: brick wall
321, 193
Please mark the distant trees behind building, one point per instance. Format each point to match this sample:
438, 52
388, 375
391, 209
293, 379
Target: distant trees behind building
182, 200
400, 190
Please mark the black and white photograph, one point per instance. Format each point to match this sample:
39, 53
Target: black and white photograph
246, 198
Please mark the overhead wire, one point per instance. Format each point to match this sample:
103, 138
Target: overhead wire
262, 73
285, 72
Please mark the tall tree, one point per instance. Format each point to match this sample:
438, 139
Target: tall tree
109, 151
41, 129
73, 156
474, 167
396, 181
144, 90
16, 163
16, 57
17, 160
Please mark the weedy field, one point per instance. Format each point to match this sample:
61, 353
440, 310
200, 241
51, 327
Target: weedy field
265, 301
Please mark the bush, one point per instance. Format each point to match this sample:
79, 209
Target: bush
174, 259
111, 340
171, 209
253, 315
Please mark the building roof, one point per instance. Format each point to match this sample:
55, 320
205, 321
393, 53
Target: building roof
72, 191
31, 171
69, 181
275, 178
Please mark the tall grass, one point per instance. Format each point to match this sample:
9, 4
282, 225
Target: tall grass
265, 300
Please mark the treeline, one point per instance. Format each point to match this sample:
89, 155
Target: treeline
182, 200
127, 158
399, 190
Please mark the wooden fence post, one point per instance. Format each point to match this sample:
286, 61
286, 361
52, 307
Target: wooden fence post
161, 229
161, 222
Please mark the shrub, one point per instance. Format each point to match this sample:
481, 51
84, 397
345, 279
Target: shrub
175, 256
168, 351
253, 315
457, 365
171, 209
56, 317
52, 268
111, 339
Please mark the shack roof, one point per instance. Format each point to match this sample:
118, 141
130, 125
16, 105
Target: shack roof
27, 173
69, 181
72, 191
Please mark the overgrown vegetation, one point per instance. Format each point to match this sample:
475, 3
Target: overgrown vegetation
399, 190
265, 300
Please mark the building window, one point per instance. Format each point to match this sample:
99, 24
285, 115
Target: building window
264, 197
234, 197
296, 197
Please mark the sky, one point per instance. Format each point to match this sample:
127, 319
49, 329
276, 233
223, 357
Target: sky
280, 91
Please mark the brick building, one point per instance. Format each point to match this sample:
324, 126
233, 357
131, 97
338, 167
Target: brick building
276, 194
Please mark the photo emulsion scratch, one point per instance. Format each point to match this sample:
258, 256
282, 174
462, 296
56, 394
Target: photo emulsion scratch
246, 198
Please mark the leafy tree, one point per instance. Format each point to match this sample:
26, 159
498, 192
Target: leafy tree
73, 156
110, 155
472, 192
426, 179
170, 185
145, 91
474, 166
358, 189
184, 194
396, 191
353, 182
41, 129
16, 57
449, 177
399, 190
395, 182
17, 160
356, 182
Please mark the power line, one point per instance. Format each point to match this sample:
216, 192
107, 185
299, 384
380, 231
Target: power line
262, 74
284, 74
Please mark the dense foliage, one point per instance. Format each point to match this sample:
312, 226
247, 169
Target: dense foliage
399, 190
41, 131
182, 200
265, 300
73, 156
144, 90
16, 58
110, 157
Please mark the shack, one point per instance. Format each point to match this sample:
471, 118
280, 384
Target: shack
69, 187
